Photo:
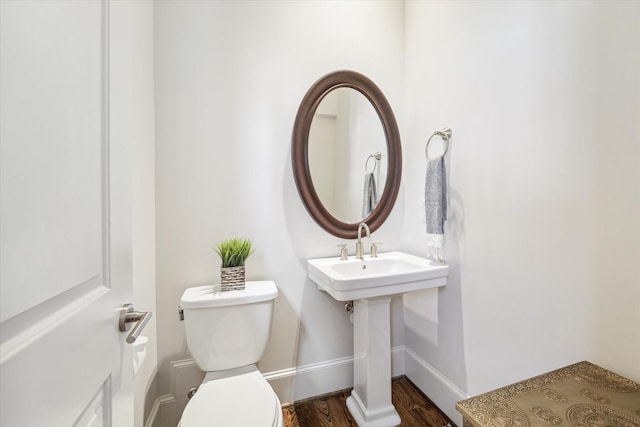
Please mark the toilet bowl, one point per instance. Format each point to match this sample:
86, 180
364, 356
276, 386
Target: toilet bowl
227, 333
244, 399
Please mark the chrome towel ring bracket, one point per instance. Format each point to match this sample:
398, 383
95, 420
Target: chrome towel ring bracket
445, 134
376, 158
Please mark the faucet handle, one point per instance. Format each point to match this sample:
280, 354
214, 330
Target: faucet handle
344, 254
374, 249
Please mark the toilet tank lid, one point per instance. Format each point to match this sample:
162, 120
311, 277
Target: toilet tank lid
211, 296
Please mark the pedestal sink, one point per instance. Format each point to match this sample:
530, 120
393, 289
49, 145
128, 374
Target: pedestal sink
371, 283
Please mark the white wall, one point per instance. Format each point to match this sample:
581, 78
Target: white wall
543, 234
229, 79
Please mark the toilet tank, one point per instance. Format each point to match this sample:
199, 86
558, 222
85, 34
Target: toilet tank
228, 329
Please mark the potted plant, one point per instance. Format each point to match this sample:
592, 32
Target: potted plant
233, 253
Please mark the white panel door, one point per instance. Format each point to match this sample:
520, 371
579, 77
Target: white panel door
65, 252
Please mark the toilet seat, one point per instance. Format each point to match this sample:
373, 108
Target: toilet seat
245, 400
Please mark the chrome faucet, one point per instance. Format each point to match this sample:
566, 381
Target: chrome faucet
359, 251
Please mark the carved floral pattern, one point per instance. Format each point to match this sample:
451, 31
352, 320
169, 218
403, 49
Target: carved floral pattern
595, 396
554, 395
507, 414
599, 377
544, 414
599, 416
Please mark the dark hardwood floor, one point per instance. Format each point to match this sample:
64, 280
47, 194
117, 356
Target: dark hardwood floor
330, 410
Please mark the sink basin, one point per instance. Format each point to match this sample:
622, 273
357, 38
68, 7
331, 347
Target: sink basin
391, 273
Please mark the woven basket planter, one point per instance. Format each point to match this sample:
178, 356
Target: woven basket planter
231, 278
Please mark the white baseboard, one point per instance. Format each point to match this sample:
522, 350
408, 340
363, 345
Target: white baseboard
312, 380
153, 414
436, 386
167, 409
324, 377
159, 406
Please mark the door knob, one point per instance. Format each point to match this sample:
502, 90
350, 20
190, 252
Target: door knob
128, 316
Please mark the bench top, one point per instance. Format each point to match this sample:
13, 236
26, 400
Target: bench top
581, 395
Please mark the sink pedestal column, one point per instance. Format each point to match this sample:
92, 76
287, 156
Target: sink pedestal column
370, 401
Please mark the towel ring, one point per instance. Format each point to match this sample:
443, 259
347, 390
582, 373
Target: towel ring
375, 156
445, 134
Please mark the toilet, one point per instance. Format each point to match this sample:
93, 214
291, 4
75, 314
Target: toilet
227, 333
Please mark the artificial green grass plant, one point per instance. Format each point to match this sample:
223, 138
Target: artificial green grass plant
234, 252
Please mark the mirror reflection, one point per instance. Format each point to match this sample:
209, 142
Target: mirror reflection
347, 154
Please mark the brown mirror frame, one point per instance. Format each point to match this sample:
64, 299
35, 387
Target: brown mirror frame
300, 152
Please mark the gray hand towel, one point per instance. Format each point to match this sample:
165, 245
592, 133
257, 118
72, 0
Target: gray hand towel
435, 195
435, 204
370, 196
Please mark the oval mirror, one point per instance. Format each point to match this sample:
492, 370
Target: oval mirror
346, 153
